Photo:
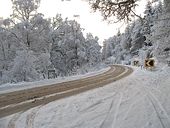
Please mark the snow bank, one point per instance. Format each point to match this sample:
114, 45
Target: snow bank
25, 85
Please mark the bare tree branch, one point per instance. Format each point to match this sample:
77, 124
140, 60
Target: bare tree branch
121, 9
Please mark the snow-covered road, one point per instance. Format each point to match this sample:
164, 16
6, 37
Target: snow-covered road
23, 100
141, 100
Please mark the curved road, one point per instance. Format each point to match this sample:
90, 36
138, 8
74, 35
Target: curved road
23, 100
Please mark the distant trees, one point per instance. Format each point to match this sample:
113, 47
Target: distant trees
113, 48
153, 33
150, 37
161, 34
70, 50
93, 53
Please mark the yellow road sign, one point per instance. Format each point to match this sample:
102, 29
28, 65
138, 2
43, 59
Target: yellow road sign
149, 63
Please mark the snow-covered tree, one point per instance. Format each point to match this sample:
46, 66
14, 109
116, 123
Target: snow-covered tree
7, 46
3, 49
126, 38
148, 23
30, 29
108, 47
25, 30
42, 64
40, 34
113, 48
148, 38
24, 10
92, 50
167, 5
161, 34
32, 35
68, 48
24, 68
104, 56
137, 37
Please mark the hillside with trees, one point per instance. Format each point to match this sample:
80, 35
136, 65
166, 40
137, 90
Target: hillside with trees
142, 39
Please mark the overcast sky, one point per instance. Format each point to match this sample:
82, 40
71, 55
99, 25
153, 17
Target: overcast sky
92, 22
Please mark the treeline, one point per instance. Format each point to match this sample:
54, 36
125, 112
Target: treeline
30, 45
143, 38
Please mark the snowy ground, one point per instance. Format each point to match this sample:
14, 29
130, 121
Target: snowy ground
141, 100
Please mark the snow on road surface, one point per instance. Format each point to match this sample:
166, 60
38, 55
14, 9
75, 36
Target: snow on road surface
141, 100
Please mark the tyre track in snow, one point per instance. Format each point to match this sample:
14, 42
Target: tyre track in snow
101, 101
12, 122
30, 118
160, 111
131, 105
111, 117
23, 100
117, 110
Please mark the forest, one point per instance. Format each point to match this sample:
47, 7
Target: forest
31, 45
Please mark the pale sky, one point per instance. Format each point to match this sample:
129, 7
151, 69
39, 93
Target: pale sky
92, 22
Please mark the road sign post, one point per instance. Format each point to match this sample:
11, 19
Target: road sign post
51, 74
149, 63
